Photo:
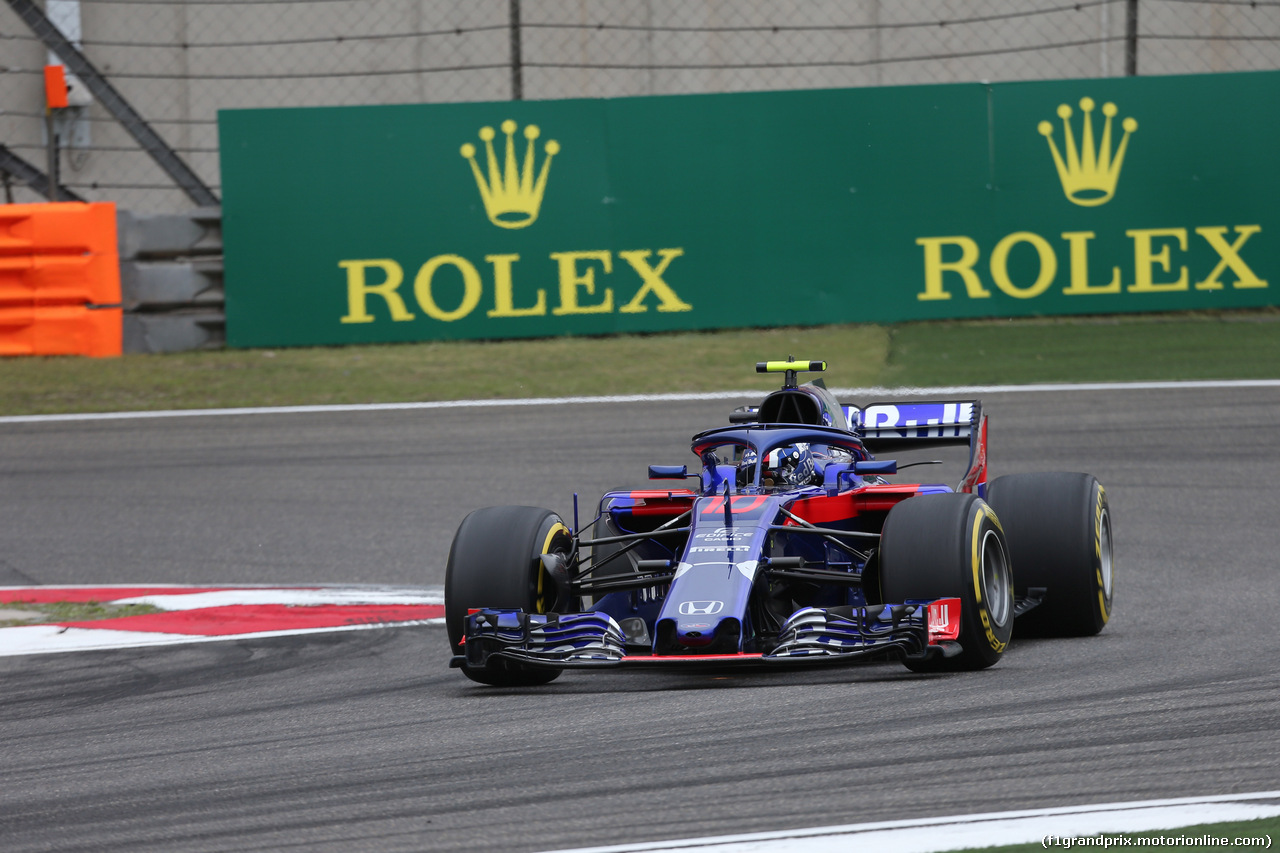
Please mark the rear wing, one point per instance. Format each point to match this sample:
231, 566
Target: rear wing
887, 426
896, 426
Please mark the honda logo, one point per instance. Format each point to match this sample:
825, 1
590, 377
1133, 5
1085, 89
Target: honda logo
700, 608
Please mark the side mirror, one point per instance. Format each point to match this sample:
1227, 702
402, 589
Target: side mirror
668, 472
876, 466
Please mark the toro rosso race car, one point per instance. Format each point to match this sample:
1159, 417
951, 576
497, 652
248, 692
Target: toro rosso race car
793, 547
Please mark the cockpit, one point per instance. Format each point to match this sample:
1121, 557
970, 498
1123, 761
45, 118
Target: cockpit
759, 462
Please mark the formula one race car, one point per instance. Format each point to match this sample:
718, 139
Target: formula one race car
793, 548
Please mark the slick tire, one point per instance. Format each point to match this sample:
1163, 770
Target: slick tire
1058, 527
495, 562
951, 546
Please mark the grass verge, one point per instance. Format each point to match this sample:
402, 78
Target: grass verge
1104, 349
1206, 346
67, 611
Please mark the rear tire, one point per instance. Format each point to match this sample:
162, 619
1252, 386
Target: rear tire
495, 562
1059, 531
951, 546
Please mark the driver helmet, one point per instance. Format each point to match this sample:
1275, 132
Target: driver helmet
746, 467
788, 467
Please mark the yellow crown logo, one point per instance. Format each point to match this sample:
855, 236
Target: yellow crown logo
1089, 173
511, 197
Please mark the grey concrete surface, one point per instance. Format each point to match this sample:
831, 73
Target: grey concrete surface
365, 741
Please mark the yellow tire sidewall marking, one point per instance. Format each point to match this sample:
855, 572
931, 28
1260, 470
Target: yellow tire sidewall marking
546, 549
997, 645
1104, 605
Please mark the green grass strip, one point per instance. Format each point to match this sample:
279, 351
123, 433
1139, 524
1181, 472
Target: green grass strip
1230, 346
45, 613
1241, 345
1264, 828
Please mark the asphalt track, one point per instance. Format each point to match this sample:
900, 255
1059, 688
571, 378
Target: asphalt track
366, 741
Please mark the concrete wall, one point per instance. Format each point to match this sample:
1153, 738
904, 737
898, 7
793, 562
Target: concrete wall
179, 63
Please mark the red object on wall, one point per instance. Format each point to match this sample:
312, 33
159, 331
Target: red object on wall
55, 87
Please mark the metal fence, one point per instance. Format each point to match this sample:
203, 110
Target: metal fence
142, 129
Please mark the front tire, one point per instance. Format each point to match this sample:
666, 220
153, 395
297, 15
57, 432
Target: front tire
495, 561
951, 546
1059, 531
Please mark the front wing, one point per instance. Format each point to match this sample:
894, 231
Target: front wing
913, 630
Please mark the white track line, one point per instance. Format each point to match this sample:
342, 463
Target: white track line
983, 830
875, 391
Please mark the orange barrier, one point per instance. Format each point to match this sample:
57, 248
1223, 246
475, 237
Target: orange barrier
59, 280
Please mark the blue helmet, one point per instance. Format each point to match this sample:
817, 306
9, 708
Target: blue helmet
789, 466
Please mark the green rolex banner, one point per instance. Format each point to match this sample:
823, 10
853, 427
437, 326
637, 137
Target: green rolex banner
500, 220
